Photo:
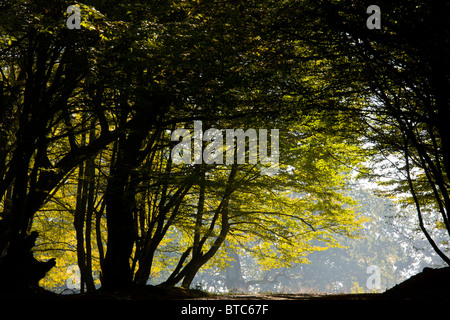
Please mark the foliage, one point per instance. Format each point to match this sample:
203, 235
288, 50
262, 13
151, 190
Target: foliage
87, 114
388, 240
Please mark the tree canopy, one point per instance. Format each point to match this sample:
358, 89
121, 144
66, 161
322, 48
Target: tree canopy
283, 105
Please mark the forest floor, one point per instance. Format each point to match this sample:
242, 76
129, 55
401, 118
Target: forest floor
159, 293
294, 296
430, 284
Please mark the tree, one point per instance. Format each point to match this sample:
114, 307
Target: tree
45, 70
399, 74
92, 111
264, 219
42, 67
389, 240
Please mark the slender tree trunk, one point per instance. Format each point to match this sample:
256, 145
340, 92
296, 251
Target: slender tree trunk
188, 273
162, 227
418, 208
90, 176
79, 224
83, 218
98, 233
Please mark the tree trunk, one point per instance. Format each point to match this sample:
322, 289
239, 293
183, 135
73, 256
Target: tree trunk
83, 216
78, 223
120, 205
152, 243
188, 273
90, 177
121, 233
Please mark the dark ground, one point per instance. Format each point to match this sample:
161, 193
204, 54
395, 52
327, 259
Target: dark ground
430, 284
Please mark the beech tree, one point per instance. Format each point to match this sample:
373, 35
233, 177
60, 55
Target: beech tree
400, 71
86, 119
42, 67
